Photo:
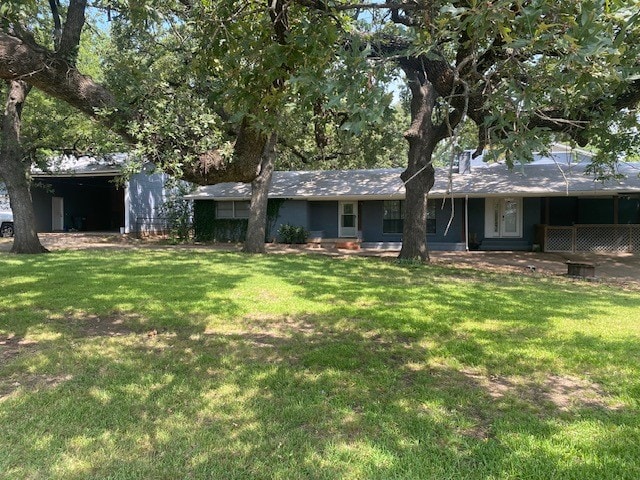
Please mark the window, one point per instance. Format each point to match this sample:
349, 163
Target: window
393, 217
232, 209
431, 217
224, 209
241, 209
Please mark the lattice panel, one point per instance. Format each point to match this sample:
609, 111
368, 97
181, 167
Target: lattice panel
558, 240
635, 239
605, 238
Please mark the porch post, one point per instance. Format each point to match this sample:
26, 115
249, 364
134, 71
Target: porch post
127, 206
466, 223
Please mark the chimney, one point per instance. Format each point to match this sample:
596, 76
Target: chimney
462, 163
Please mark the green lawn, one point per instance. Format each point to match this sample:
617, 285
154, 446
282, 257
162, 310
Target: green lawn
310, 367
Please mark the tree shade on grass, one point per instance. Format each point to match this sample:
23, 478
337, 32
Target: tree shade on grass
170, 364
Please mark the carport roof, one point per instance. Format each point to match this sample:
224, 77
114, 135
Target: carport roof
533, 180
69, 165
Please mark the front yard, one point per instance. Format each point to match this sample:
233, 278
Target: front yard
200, 364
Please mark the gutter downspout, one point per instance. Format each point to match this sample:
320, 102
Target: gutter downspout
466, 223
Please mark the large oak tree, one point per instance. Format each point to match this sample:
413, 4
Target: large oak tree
525, 72
198, 87
521, 70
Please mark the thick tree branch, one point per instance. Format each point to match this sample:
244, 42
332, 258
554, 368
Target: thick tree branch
58, 78
57, 25
72, 30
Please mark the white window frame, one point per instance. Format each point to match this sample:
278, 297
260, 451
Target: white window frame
234, 210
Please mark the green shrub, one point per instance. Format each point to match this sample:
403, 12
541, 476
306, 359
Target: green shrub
292, 233
178, 211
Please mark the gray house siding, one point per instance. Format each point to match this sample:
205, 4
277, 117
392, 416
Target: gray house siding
146, 198
476, 220
323, 217
371, 222
293, 212
531, 216
443, 215
372, 216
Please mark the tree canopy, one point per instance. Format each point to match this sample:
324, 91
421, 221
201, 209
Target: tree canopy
198, 85
188, 73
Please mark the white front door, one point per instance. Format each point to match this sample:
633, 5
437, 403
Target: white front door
503, 217
348, 221
57, 213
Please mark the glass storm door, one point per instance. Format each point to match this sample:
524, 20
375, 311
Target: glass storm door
348, 222
503, 217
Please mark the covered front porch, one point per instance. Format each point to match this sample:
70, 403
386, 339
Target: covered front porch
603, 224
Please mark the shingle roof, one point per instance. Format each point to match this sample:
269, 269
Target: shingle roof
533, 180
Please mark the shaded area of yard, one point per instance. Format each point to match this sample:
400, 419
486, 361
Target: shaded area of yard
621, 269
169, 364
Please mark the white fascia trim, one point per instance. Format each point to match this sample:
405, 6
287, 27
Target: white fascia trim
80, 174
435, 195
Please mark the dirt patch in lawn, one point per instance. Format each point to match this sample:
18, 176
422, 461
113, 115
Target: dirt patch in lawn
108, 326
552, 394
12, 345
560, 392
30, 383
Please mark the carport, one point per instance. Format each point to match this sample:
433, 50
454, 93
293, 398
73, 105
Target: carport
79, 194
79, 203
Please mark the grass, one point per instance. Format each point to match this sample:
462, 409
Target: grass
191, 364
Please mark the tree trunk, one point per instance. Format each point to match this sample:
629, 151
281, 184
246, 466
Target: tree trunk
419, 176
256, 229
414, 231
14, 170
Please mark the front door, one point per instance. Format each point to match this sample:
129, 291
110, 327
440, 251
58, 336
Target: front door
57, 213
503, 217
348, 222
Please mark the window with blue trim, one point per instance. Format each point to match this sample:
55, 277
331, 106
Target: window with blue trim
393, 216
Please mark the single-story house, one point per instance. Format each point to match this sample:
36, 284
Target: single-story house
551, 204
89, 194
